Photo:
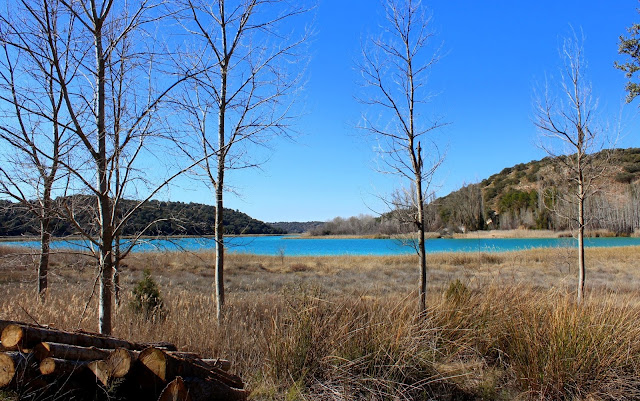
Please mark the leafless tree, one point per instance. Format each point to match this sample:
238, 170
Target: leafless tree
34, 129
244, 97
571, 133
395, 67
106, 58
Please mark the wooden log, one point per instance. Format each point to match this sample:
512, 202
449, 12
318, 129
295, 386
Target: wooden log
7, 369
61, 367
71, 352
210, 390
24, 336
119, 362
15, 367
163, 345
167, 367
3, 325
222, 364
175, 391
66, 379
117, 365
101, 371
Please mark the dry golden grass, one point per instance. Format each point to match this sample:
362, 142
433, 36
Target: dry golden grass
499, 326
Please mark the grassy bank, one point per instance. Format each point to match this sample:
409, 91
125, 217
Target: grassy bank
499, 326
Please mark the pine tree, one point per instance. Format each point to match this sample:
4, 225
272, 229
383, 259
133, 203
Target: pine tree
630, 46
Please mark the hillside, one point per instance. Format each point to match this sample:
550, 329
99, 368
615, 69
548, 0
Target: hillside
525, 194
296, 227
162, 218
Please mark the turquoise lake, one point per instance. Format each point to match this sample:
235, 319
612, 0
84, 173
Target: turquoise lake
290, 246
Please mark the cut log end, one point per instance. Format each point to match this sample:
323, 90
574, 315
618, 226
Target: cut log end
101, 370
155, 361
7, 370
175, 391
119, 362
12, 336
47, 366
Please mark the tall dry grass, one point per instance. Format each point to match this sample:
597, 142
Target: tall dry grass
320, 336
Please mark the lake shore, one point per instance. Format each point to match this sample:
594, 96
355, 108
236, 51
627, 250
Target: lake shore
482, 234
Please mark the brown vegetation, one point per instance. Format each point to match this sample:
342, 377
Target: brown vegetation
498, 326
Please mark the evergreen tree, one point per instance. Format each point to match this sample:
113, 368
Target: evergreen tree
630, 46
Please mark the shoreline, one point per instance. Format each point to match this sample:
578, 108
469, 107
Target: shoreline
487, 234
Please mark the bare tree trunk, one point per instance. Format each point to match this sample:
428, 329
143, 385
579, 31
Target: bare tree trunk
421, 248
104, 201
219, 234
43, 265
581, 266
219, 187
106, 283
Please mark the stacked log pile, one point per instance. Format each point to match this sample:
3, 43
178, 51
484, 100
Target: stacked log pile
42, 363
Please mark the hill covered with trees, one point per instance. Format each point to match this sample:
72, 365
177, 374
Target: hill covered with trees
526, 195
154, 218
522, 196
296, 227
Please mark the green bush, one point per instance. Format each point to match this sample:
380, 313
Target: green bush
146, 297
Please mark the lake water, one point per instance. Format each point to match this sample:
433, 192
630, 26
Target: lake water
276, 245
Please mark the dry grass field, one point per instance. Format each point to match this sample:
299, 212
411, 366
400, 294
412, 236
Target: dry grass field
499, 326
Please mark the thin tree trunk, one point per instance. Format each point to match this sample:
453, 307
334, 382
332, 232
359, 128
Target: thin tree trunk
581, 266
421, 247
219, 234
43, 265
106, 283
219, 229
104, 202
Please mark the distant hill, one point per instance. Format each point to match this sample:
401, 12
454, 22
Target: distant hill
296, 227
516, 197
161, 218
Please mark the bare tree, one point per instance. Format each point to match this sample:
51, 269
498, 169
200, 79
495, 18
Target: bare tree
107, 60
34, 127
244, 97
395, 67
566, 116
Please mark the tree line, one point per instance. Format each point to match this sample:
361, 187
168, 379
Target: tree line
154, 218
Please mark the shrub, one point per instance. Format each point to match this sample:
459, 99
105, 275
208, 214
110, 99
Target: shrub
625, 177
457, 292
146, 297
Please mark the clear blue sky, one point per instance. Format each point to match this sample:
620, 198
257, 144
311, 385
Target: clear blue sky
495, 54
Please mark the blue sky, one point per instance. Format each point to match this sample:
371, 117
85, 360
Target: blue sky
495, 54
